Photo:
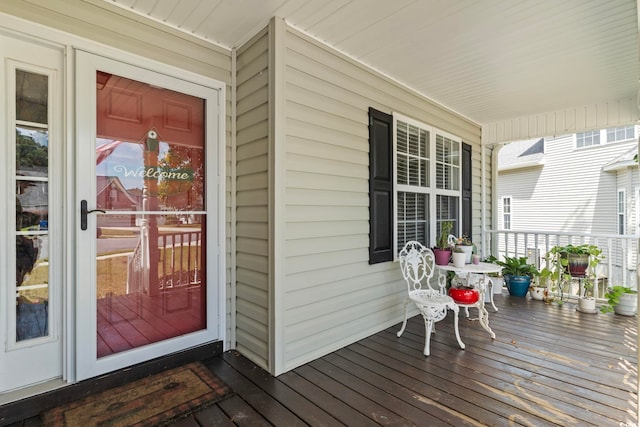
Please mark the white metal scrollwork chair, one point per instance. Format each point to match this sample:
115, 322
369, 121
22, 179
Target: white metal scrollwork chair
417, 265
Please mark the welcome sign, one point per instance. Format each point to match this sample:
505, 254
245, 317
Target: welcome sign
155, 173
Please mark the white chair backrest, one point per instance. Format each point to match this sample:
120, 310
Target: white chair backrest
417, 264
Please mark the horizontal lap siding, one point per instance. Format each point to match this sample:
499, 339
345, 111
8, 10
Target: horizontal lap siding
252, 199
332, 295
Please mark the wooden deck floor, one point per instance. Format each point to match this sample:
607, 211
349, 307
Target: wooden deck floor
549, 365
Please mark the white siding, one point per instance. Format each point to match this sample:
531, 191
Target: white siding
332, 296
570, 192
252, 218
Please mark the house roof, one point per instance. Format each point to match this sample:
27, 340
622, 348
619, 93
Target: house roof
622, 161
105, 182
521, 154
488, 60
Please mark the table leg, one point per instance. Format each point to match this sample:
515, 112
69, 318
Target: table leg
491, 293
456, 309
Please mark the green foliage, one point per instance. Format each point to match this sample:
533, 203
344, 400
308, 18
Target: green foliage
445, 230
29, 153
515, 266
558, 262
613, 297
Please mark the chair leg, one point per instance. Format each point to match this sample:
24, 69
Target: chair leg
466, 311
428, 326
404, 322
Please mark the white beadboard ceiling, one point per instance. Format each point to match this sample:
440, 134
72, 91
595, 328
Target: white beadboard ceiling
489, 60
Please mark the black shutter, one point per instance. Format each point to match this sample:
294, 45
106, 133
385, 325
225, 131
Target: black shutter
467, 220
380, 187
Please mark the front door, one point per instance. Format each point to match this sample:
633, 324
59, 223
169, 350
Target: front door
148, 229
31, 222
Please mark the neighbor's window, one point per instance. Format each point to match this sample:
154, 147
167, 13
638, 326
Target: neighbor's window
621, 205
587, 139
605, 136
428, 177
506, 213
620, 134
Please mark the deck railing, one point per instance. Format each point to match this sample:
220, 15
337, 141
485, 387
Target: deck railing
619, 253
178, 264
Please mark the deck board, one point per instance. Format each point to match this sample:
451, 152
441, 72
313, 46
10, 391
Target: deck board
548, 366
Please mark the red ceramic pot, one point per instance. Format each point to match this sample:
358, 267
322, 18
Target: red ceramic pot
464, 295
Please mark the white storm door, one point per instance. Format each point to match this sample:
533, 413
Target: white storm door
31, 262
149, 230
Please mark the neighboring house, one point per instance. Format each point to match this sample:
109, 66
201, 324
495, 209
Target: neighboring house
577, 183
299, 247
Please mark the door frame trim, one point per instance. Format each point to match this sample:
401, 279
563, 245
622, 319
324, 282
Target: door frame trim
87, 365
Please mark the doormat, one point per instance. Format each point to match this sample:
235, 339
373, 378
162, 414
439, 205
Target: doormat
151, 401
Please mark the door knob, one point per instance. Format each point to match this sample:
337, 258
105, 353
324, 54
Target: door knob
84, 212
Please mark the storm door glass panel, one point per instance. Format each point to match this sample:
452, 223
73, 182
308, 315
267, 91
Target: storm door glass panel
32, 206
150, 171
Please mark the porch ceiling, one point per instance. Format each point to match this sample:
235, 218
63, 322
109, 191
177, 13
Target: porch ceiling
489, 60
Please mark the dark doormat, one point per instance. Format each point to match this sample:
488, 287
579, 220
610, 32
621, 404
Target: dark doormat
151, 401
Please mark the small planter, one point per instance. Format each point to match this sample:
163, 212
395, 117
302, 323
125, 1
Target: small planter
498, 284
518, 285
577, 264
464, 295
587, 305
468, 251
627, 304
459, 259
537, 292
442, 256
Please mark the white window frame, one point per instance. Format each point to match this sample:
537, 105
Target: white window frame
431, 191
621, 217
603, 135
505, 214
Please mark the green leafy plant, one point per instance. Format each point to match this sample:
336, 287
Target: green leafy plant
445, 230
613, 297
517, 266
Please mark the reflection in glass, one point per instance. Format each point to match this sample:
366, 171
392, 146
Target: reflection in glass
32, 206
165, 297
32, 93
32, 287
174, 178
32, 151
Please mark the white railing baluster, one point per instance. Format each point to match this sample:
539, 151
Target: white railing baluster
617, 268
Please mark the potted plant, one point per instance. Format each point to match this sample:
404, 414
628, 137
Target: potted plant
518, 274
621, 300
496, 278
537, 290
579, 261
459, 257
442, 250
578, 258
464, 244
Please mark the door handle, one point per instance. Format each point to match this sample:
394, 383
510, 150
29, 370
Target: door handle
84, 212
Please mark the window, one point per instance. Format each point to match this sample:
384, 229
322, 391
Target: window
620, 134
506, 213
427, 181
415, 183
621, 209
588, 139
607, 136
